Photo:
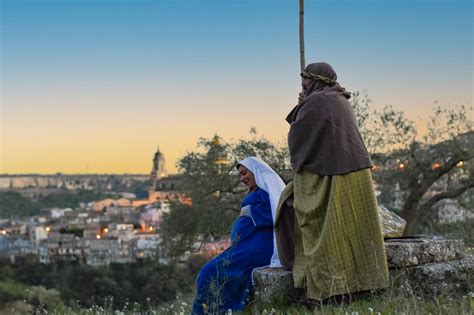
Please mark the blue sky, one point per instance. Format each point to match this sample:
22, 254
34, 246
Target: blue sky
110, 74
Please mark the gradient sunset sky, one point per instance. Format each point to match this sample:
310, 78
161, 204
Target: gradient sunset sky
95, 86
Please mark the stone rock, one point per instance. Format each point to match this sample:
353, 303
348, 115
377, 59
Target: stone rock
271, 285
392, 224
428, 267
451, 278
402, 253
450, 211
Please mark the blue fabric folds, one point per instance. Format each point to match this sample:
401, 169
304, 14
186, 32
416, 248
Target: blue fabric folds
224, 282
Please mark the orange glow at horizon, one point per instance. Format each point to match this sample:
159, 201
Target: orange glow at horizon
52, 140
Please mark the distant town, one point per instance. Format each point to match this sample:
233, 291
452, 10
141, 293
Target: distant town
122, 229
111, 230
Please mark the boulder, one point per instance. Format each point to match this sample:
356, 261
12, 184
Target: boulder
427, 267
451, 278
271, 285
407, 252
392, 224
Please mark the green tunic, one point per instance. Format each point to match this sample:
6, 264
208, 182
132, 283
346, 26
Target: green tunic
338, 238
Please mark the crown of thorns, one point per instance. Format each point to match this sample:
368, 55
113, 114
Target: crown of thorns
317, 77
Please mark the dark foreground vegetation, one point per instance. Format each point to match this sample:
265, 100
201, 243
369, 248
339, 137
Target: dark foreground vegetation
77, 285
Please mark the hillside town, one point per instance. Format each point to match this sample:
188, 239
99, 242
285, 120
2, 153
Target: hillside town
122, 230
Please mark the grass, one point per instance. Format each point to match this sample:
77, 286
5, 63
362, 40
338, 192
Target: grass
385, 304
392, 301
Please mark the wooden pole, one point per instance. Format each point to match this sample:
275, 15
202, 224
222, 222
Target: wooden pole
302, 61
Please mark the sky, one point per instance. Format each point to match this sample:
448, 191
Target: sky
95, 86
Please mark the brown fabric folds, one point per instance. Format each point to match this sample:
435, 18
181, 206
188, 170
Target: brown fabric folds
286, 233
324, 138
285, 228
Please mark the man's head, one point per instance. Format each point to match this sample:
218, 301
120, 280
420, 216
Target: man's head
318, 75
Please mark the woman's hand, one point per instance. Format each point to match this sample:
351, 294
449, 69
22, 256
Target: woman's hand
245, 211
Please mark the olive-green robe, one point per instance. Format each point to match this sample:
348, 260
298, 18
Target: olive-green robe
338, 240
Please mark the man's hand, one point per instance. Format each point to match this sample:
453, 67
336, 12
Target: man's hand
302, 93
301, 97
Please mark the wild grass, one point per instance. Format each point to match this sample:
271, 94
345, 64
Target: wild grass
392, 301
384, 304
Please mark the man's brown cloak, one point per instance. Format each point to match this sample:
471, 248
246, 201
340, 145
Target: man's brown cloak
324, 138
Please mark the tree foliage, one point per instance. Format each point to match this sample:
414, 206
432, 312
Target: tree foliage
69, 199
147, 282
413, 171
15, 205
211, 181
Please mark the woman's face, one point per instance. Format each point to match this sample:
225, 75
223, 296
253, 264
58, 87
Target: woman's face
247, 178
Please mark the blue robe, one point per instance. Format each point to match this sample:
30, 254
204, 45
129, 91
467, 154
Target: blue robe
224, 282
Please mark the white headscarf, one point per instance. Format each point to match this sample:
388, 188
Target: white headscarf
268, 180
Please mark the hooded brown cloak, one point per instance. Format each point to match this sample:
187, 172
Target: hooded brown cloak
323, 137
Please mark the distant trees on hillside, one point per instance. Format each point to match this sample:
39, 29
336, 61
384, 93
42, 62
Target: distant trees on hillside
14, 205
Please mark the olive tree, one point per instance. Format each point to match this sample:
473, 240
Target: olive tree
210, 180
413, 171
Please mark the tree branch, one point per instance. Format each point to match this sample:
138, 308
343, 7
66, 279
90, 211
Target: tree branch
448, 194
232, 209
451, 164
202, 243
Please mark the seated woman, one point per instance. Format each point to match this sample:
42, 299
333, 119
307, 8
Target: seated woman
224, 282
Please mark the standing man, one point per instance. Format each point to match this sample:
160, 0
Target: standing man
338, 241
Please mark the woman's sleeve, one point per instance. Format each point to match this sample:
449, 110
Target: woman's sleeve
261, 211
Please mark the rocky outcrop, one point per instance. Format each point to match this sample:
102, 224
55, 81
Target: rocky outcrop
427, 267
392, 224
272, 285
408, 252
452, 278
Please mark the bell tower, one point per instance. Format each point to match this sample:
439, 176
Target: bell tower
158, 171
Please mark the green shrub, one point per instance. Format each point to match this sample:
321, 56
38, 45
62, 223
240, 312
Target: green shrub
44, 299
11, 291
456, 230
